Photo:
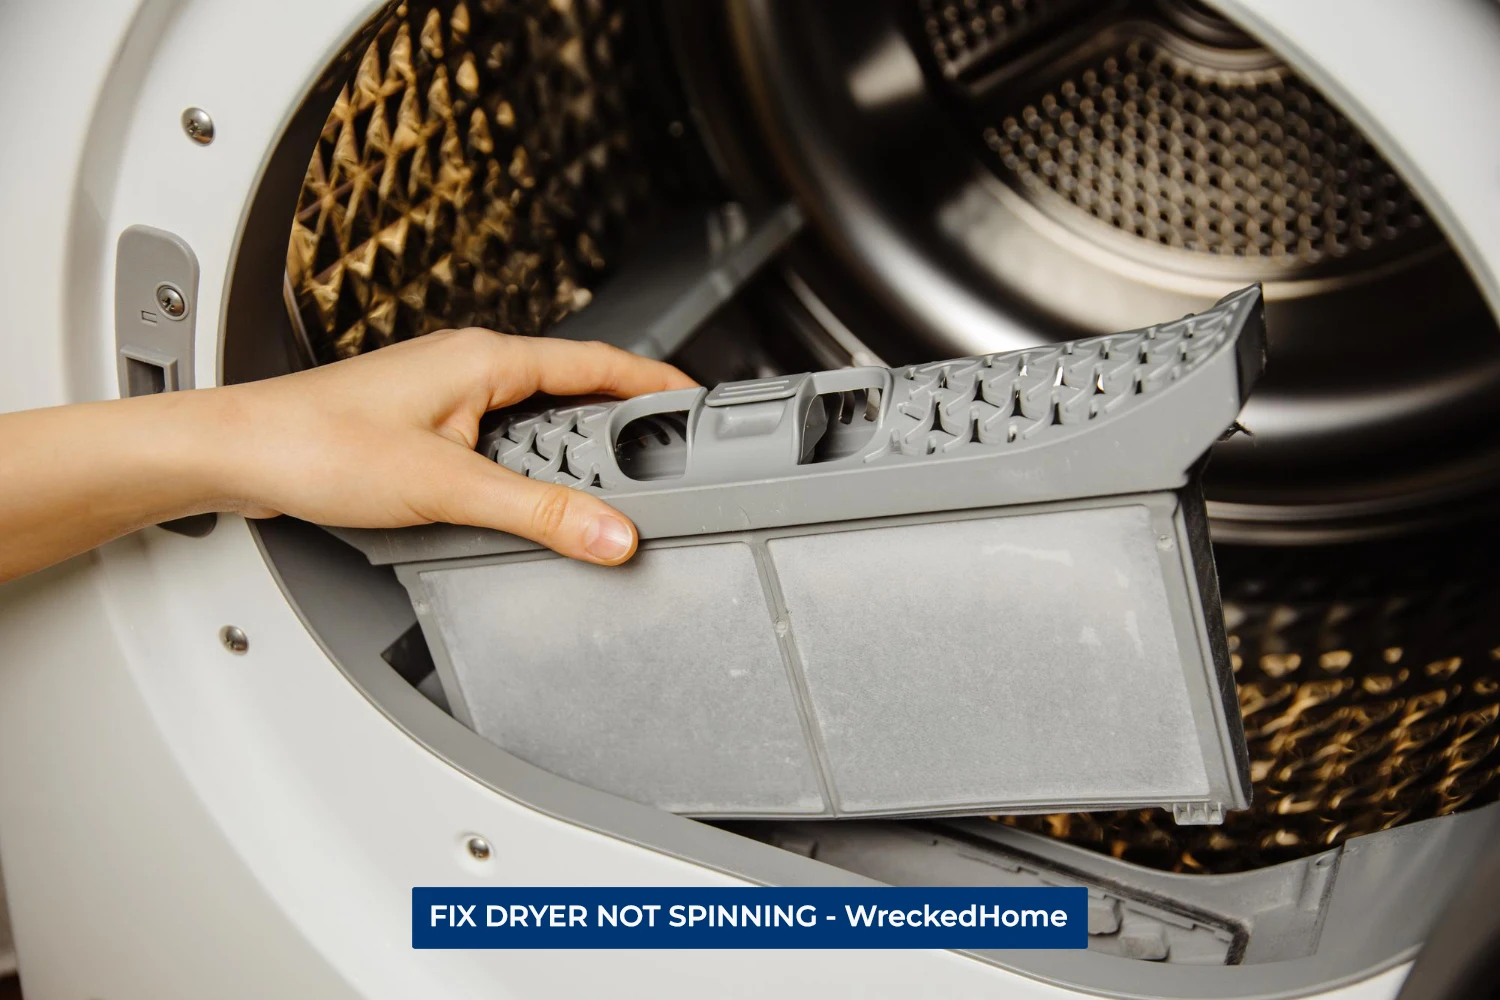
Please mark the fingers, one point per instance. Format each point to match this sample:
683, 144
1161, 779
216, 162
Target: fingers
568, 521
467, 488
574, 368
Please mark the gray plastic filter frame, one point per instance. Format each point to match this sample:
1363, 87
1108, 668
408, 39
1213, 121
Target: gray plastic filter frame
973, 587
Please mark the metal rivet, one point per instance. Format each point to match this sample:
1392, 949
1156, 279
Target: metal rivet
479, 848
234, 639
198, 126
171, 301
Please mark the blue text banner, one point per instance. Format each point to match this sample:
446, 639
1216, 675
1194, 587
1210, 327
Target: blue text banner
749, 917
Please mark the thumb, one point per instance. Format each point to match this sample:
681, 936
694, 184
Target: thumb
570, 522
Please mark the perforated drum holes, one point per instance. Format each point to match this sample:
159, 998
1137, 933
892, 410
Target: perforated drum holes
1254, 166
965, 34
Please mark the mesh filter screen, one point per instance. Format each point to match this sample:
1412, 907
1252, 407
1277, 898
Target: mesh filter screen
660, 722
477, 170
1370, 687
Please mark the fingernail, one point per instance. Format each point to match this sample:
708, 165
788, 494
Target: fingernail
608, 538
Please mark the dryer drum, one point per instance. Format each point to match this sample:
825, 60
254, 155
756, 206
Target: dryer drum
1211, 146
485, 161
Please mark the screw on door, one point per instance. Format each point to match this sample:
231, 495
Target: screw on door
234, 639
171, 301
198, 126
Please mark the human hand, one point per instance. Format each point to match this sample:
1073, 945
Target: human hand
386, 439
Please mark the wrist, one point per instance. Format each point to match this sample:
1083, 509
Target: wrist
183, 445
212, 437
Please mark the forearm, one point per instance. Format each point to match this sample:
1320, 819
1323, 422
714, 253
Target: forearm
72, 477
383, 440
